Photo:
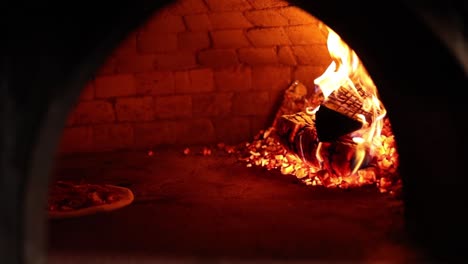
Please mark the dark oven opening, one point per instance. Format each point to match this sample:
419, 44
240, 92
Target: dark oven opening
238, 130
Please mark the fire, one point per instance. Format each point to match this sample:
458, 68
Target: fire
346, 72
365, 156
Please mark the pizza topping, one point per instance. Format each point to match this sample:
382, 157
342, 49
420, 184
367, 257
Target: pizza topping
111, 198
72, 200
95, 199
64, 196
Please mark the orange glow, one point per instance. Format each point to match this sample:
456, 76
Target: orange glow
346, 72
362, 157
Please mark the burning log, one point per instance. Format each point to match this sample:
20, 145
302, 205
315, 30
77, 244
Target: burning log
288, 126
297, 133
343, 157
321, 163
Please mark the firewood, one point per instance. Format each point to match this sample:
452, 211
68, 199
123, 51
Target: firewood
287, 126
342, 156
299, 134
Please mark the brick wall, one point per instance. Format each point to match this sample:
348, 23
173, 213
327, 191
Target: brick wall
199, 71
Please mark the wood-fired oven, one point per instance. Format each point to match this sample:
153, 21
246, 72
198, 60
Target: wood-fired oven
158, 97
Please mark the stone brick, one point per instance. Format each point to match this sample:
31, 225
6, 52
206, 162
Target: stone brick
268, 37
263, 4
176, 106
134, 109
206, 105
115, 86
148, 135
258, 56
149, 42
307, 74
229, 20
155, 83
200, 22
91, 112
182, 81
202, 80
228, 5
164, 22
135, 63
87, 94
234, 130
195, 131
266, 18
233, 79
305, 35
128, 46
218, 58
316, 55
251, 103
286, 56
187, 7
76, 139
271, 77
229, 39
113, 137
297, 16
193, 40
194, 81
175, 61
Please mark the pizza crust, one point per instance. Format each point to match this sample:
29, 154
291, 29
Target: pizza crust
125, 195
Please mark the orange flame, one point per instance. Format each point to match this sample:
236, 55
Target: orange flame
347, 72
332, 164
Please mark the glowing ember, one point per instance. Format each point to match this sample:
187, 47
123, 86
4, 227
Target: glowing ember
206, 151
268, 151
186, 151
365, 156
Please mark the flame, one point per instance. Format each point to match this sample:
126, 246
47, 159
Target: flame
346, 72
345, 61
372, 145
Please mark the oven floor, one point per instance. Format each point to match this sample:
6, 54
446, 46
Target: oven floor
194, 208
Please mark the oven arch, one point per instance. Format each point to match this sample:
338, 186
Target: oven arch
409, 63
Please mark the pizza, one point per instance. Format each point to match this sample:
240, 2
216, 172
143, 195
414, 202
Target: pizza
68, 199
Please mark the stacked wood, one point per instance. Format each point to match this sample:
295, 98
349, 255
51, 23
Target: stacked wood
298, 134
297, 130
318, 147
